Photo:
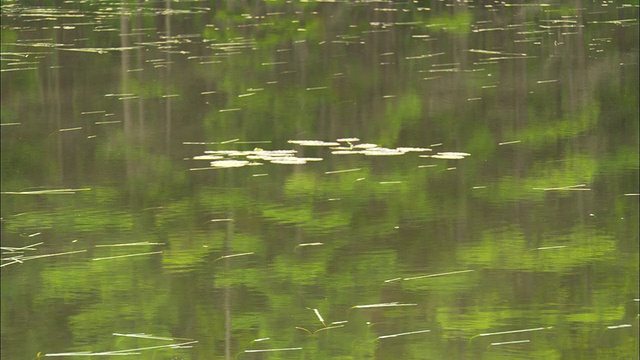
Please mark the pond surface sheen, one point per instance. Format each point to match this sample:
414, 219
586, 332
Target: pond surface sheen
171, 174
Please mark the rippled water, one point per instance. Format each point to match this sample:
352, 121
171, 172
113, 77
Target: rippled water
319, 180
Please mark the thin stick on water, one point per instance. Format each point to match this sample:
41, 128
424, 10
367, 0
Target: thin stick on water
272, 350
233, 255
15, 261
512, 332
510, 342
328, 328
125, 256
122, 352
436, 275
50, 255
91, 354
259, 340
303, 329
391, 304
28, 247
152, 347
621, 326
551, 247
308, 244
570, 187
145, 336
44, 192
341, 171
130, 244
319, 316
403, 334
20, 259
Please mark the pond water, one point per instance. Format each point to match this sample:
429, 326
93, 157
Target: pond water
320, 180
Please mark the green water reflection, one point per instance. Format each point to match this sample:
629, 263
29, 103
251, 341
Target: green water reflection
497, 216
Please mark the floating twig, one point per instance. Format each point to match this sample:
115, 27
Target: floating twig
151, 337
510, 342
44, 192
436, 275
130, 244
380, 305
511, 332
125, 256
122, 352
28, 247
319, 316
272, 350
233, 255
403, 334
341, 171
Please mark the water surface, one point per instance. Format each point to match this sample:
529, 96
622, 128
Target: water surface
320, 180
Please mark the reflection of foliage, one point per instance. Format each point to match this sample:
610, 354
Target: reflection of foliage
388, 219
458, 23
507, 249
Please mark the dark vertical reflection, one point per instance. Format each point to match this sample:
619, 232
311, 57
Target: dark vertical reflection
227, 291
139, 66
168, 79
125, 78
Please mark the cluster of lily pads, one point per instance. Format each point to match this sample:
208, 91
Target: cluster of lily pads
343, 146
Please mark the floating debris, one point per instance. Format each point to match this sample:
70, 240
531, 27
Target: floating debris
513, 331
551, 247
341, 171
381, 305
21, 259
122, 352
345, 152
128, 255
436, 275
260, 339
107, 122
348, 140
403, 334
319, 316
510, 342
233, 255
272, 350
413, 149
313, 143
308, 244
151, 337
208, 157
510, 142
293, 160
622, 326
45, 192
448, 155
229, 163
379, 151
71, 129
144, 243
365, 146
580, 187
15, 249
